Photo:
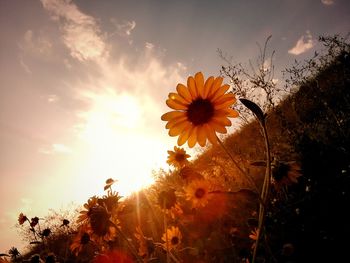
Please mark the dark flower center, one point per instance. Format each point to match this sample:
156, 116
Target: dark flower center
179, 157
85, 238
174, 241
200, 111
200, 192
280, 171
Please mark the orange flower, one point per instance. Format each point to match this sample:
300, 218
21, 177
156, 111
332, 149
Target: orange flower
200, 110
178, 157
198, 192
172, 238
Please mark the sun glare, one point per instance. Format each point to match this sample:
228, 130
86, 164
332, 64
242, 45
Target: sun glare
116, 145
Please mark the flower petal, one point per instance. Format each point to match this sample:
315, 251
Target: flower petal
179, 128
184, 92
191, 84
210, 134
215, 86
222, 121
199, 83
201, 136
184, 136
225, 102
192, 139
218, 127
172, 115
220, 92
176, 97
174, 122
207, 86
175, 105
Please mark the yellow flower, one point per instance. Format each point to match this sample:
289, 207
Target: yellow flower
178, 157
172, 238
200, 110
198, 192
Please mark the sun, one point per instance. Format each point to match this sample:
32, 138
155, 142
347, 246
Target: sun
116, 145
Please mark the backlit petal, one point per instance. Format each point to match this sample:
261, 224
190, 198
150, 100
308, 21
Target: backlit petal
216, 85
222, 121
184, 92
175, 105
199, 83
210, 134
207, 86
201, 136
217, 127
191, 84
221, 91
179, 127
184, 136
192, 139
176, 97
171, 115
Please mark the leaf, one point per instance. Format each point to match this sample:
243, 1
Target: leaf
254, 108
109, 181
4, 255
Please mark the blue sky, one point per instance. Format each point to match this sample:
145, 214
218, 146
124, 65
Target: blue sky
83, 84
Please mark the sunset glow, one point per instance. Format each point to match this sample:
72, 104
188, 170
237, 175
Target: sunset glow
84, 85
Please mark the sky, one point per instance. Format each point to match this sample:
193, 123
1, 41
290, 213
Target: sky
84, 83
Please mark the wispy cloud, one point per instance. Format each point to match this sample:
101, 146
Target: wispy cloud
36, 43
80, 32
303, 44
24, 66
55, 148
125, 27
328, 2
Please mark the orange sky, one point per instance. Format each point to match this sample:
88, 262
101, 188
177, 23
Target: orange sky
84, 83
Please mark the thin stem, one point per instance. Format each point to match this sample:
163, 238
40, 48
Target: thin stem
265, 189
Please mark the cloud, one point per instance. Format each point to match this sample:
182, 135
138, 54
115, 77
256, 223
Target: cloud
124, 28
36, 43
52, 98
24, 66
303, 44
328, 2
55, 148
80, 32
